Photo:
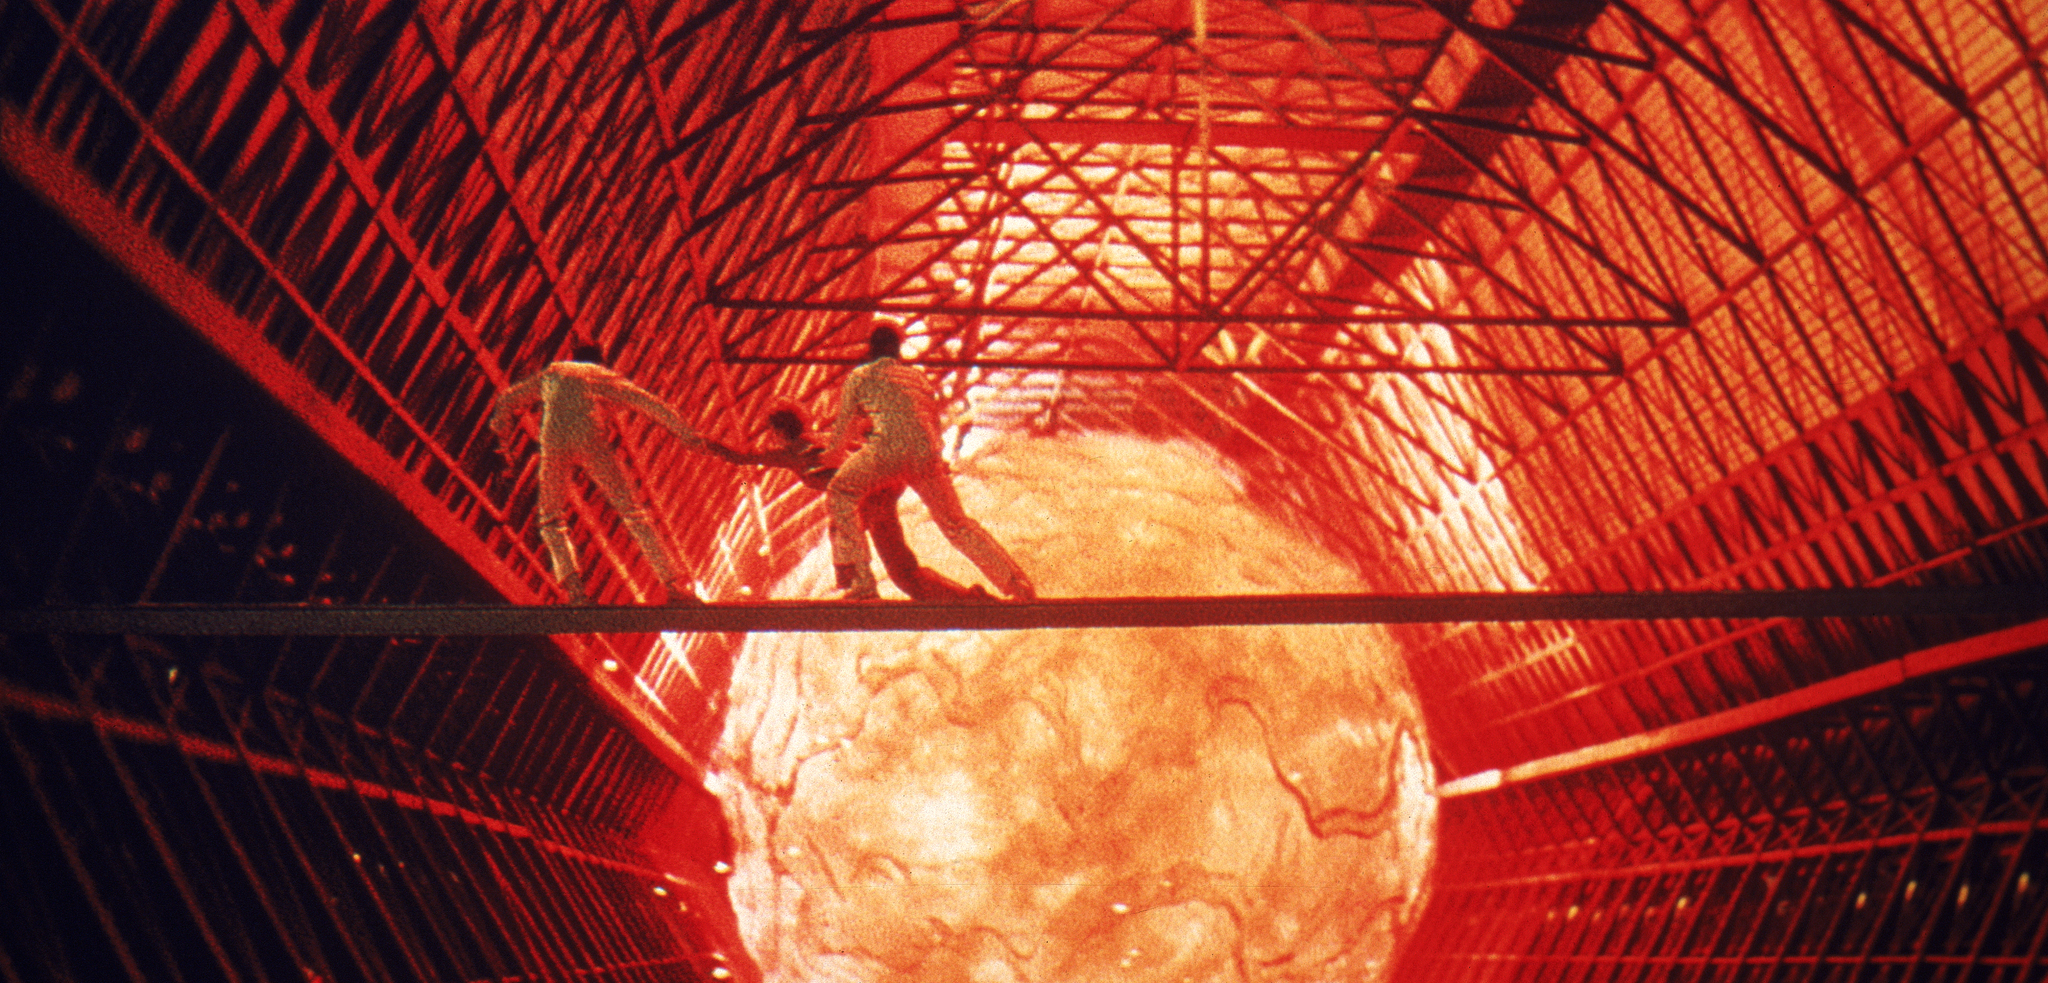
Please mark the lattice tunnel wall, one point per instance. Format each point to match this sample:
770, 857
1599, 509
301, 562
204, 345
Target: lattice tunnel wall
285, 809
1539, 295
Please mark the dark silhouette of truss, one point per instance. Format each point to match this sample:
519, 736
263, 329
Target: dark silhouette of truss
1997, 603
1573, 296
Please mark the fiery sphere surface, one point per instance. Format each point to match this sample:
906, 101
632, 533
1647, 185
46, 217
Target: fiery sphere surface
1132, 805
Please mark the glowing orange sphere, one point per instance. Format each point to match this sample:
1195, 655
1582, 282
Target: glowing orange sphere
1137, 805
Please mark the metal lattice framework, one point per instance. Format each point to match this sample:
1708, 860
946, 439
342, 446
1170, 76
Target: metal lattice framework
1571, 295
1425, 258
289, 808
1106, 187
386, 211
1896, 836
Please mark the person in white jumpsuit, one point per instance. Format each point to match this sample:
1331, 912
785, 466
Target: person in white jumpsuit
573, 435
798, 453
904, 448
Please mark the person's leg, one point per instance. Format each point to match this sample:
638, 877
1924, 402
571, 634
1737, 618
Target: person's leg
885, 532
885, 529
930, 585
554, 523
861, 474
934, 485
606, 474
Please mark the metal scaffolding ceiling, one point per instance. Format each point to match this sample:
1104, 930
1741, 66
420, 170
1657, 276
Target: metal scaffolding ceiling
1580, 296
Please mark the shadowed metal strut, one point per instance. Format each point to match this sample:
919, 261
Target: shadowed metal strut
1126, 612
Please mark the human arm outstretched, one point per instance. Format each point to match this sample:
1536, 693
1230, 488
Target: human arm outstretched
510, 403
624, 391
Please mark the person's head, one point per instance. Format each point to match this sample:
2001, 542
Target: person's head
885, 342
586, 352
787, 422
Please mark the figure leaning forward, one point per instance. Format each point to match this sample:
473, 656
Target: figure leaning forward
572, 434
904, 448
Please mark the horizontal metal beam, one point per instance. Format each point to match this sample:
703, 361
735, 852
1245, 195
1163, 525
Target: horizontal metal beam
1116, 612
1332, 140
1179, 35
1197, 368
914, 309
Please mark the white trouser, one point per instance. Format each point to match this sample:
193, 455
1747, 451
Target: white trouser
556, 471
